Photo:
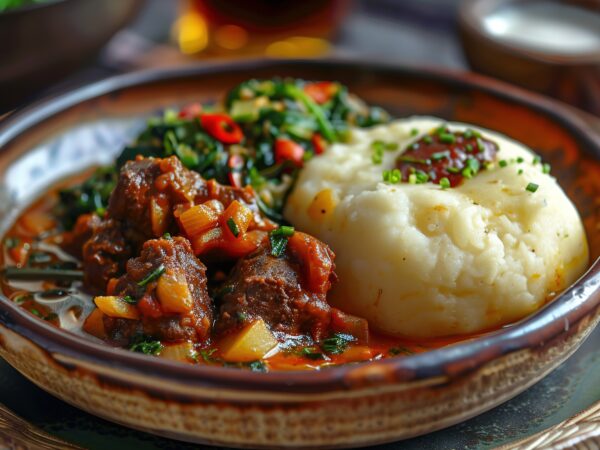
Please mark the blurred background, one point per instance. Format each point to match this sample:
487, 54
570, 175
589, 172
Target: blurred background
49, 46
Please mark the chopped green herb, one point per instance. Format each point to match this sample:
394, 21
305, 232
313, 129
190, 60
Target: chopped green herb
414, 132
235, 230
520, 160
546, 168
520, 172
337, 343
167, 236
35, 312
536, 160
154, 275
147, 347
467, 172
279, 238
468, 134
428, 140
257, 366
311, 353
241, 317
447, 138
480, 146
474, 165
411, 160
391, 146
502, 163
129, 299
207, 355
469, 148
444, 183
453, 169
422, 177
440, 155
532, 187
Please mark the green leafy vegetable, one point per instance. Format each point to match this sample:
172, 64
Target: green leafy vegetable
147, 346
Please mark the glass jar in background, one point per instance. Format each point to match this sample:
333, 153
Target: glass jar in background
245, 28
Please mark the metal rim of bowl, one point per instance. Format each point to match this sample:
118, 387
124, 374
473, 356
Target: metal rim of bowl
535, 330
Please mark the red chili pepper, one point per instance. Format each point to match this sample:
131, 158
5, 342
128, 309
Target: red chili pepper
190, 111
321, 91
236, 164
287, 150
149, 307
222, 128
319, 143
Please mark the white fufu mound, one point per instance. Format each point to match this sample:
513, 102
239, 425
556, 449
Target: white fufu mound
419, 261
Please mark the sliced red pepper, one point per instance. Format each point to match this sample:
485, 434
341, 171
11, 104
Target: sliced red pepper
319, 143
222, 127
190, 111
321, 91
236, 164
288, 150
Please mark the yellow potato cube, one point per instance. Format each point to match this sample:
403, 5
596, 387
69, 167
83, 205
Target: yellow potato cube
250, 344
173, 292
182, 352
116, 307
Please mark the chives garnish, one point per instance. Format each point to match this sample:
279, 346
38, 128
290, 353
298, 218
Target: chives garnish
546, 168
480, 146
390, 146
447, 138
414, 132
520, 172
473, 165
428, 140
444, 183
154, 275
422, 177
536, 159
532, 187
467, 172
468, 134
502, 163
279, 238
520, 160
235, 230
408, 159
453, 169
440, 155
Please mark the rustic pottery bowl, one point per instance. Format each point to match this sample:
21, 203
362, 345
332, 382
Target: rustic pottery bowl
572, 77
346, 406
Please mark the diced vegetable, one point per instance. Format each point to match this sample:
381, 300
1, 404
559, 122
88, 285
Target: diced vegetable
222, 128
236, 219
116, 307
200, 218
247, 110
319, 144
37, 222
182, 352
349, 324
250, 344
288, 150
357, 353
207, 241
94, 324
173, 292
149, 307
159, 215
250, 241
316, 261
322, 205
322, 91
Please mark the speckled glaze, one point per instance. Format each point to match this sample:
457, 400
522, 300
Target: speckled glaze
340, 407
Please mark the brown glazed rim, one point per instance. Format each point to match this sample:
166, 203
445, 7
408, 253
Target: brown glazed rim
470, 16
556, 318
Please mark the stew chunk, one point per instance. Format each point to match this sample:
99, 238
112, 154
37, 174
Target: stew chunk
162, 295
287, 292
